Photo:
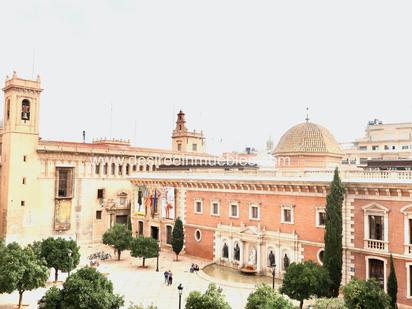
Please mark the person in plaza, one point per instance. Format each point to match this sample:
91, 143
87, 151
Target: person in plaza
170, 281
166, 274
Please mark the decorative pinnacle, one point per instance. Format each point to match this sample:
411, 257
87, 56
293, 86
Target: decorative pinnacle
307, 114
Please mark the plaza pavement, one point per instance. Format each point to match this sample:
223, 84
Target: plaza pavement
142, 285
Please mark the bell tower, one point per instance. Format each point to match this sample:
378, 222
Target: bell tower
21, 108
20, 165
185, 141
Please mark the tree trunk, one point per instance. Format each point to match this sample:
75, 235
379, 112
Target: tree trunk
301, 304
56, 274
144, 259
118, 254
177, 257
20, 298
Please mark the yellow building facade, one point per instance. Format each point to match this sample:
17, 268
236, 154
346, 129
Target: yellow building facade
68, 189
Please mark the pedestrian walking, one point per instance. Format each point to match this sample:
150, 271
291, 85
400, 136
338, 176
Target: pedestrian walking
170, 278
166, 274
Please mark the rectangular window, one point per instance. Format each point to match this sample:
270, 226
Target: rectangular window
113, 169
97, 171
376, 227
215, 208
140, 229
120, 171
64, 182
386, 147
198, 207
127, 169
24, 180
320, 217
234, 210
24, 158
363, 148
410, 231
287, 214
100, 193
405, 147
105, 169
194, 147
376, 147
22, 203
98, 215
254, 212
410, 280
169, 231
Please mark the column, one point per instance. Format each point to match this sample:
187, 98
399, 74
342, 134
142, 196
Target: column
259, 256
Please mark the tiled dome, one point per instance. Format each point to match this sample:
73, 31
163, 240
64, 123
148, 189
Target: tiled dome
308, 137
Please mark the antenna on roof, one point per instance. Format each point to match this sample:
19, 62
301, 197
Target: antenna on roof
307, 114
84, 136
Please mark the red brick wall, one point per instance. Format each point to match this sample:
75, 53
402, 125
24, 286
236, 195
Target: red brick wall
270, 212
202, 248
396, 223
400, 269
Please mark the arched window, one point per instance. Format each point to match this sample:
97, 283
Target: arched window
25, 110
225, 250
236, 252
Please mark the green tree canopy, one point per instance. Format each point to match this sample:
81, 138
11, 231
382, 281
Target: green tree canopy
264, 297
145, 248
177, 237
305, 280
332, 258
361, 294
213, 298
119, 237
85, 289
21, 270
59, 254
392, 285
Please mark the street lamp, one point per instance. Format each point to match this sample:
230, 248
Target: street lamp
273, 275
70, 260
180, 288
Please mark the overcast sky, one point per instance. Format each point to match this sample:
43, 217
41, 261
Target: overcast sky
241, 70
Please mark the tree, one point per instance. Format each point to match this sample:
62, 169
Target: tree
361, 294
60, 254
304, 280
392, 285
144, 247
21, 270
329, 303
177, 237
211, 299
86, 288
264, 297
332, 258
51, 300
119, 237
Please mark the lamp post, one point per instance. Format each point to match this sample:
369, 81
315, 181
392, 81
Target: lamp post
180, 288
157, 258
273, 275
70, 260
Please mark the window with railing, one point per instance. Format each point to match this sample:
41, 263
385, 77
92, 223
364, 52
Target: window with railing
376, 227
